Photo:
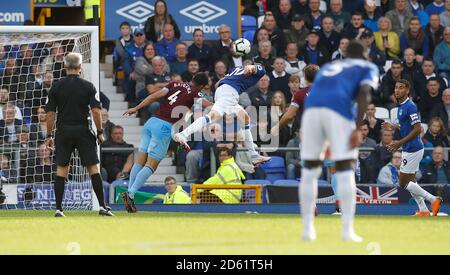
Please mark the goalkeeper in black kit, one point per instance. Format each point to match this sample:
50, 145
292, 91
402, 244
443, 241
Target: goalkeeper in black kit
71, 98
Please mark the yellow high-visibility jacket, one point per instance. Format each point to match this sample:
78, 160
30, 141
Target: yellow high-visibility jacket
89, 8
228, 173
393, 40
179, 196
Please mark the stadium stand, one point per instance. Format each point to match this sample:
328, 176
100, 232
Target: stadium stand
23, 69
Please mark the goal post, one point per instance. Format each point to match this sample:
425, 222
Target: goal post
251, 193
32, 53
38, 34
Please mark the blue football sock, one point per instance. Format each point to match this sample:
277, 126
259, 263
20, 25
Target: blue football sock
141, 177
134, 171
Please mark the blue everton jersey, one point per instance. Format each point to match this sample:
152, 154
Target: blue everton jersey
337, 84
408, 116
241, 82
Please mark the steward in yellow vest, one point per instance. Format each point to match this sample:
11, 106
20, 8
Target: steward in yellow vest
89, 9
228, 173
175, 193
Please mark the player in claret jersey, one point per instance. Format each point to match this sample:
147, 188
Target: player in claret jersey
226, 101
157, 131
298, 99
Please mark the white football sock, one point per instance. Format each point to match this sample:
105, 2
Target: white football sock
421, 203
249, 141
308, 195
196, 126
347, 197
415, 189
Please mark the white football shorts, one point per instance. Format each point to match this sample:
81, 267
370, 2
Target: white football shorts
411, 161
226, 100
322, 127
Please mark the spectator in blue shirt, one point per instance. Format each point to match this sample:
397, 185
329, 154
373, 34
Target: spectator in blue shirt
201, 51
415, 6
179, 65
442, 55
418, 10
120, 43
166, 46
312, 52
314, 17
371, 14
389, 174
133, 51
437, 7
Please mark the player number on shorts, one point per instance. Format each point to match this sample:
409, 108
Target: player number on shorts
173, 98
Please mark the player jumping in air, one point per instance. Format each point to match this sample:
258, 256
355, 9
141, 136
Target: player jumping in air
157, 131
226, 102
412, 149
329, 119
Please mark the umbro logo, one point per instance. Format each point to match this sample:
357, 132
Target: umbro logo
203, 12
138, 11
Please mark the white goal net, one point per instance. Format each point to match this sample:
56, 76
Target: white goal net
31, 60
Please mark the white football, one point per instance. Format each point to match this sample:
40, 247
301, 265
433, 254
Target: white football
241, 46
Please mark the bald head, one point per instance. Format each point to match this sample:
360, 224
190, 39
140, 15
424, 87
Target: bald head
446, 97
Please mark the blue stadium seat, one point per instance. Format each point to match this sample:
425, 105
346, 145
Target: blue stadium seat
272, 177
257, 182
286, 182
321, 183
274, 163
249, 35
275, 169
248, 22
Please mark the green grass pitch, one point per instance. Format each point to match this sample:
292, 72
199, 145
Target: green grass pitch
38, 232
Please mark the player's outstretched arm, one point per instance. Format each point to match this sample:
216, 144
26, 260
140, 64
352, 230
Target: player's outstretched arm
285, 119
147, 101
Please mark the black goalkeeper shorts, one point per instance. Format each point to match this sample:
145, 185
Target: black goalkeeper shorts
71, 137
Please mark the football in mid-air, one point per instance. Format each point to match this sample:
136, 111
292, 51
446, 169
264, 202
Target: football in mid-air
241, 46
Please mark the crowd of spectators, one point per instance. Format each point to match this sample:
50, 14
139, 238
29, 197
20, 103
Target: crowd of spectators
406, 40
27, 72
